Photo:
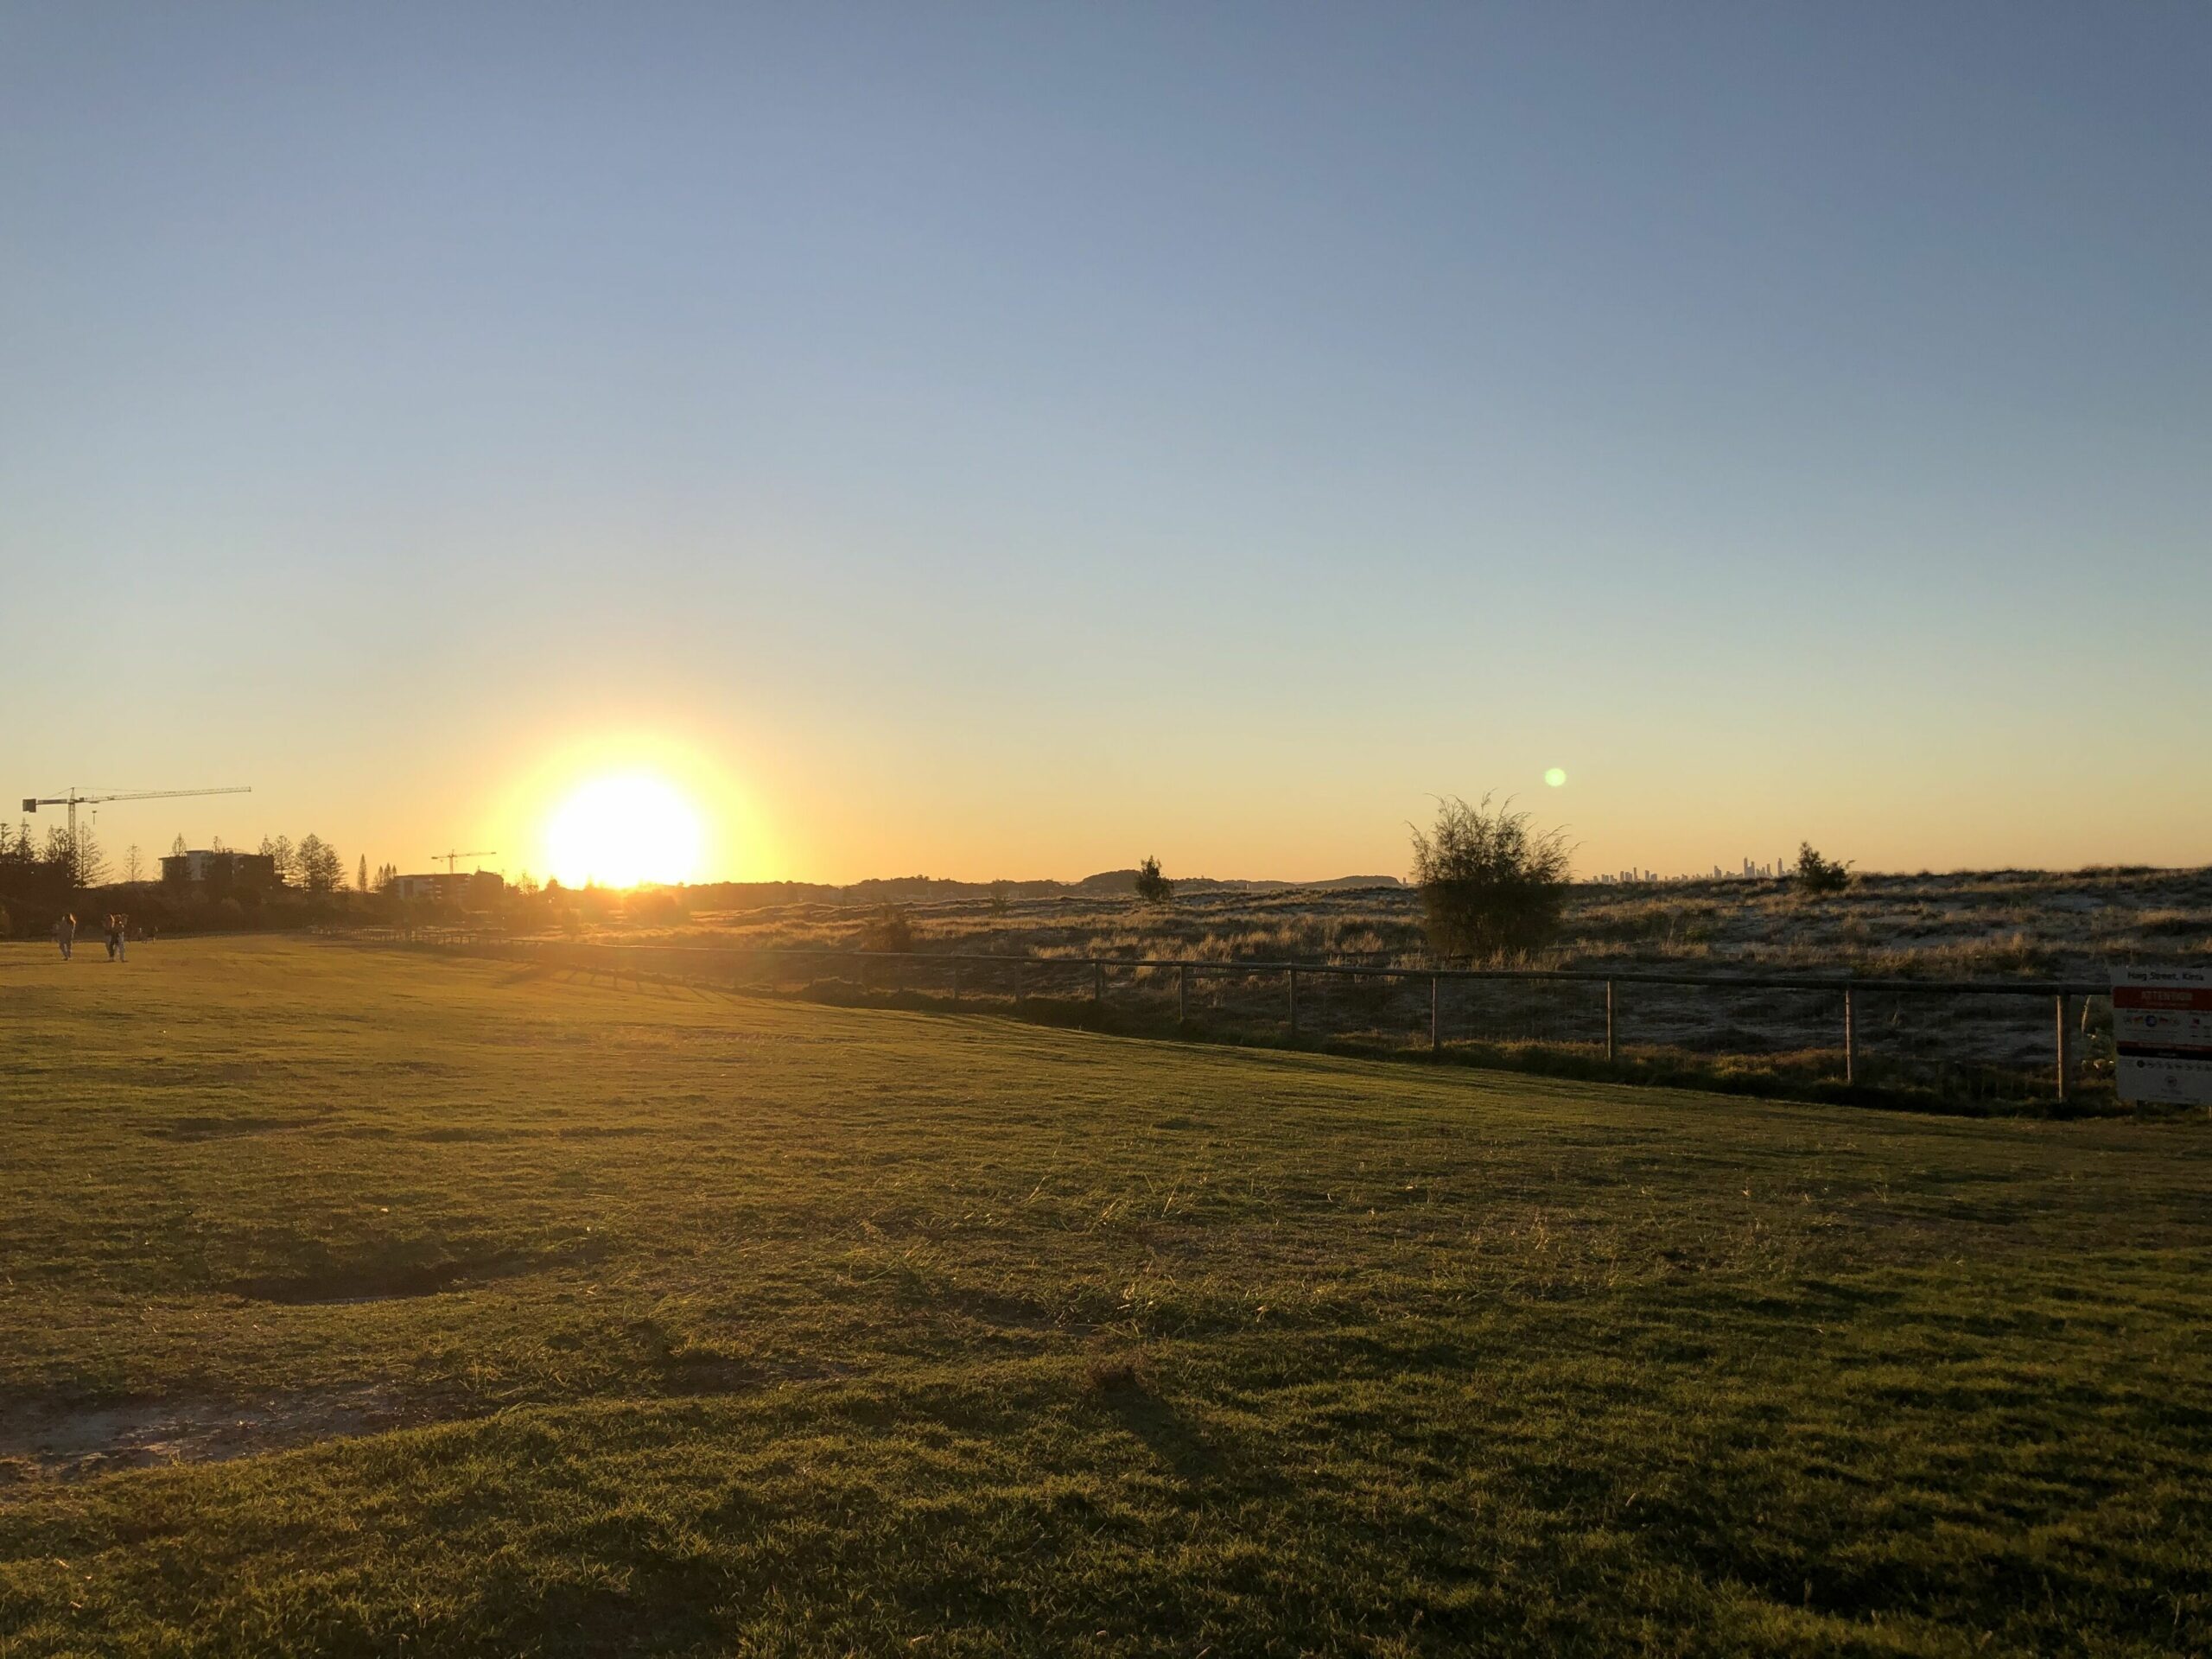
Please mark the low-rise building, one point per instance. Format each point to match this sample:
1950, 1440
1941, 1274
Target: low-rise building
219, 867
469, 888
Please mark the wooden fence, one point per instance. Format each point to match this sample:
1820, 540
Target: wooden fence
1442, 999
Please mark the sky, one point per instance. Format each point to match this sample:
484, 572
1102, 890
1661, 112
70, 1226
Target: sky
1007, 440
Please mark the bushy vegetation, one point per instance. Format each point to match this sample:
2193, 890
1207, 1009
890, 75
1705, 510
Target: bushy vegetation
1151, 885
889, 929
1816, 874
1489, 885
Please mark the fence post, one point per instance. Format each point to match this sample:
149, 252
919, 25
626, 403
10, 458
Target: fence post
2065, 1056
1612, 1050
1850, 1038
1183, 995
1021, 972
1294, 1002
1435, 1020
1097, 983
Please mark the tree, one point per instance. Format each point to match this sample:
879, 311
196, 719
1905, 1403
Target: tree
1489, 883
78, 857
89, 865
321, 870
177, 848
134, 864
888, 929
1000, 903
286, 860
361, 875
1816, 874
1151, 885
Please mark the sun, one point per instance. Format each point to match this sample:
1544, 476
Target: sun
623, 829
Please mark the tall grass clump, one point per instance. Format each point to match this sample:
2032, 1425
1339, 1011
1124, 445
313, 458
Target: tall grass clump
1489, 885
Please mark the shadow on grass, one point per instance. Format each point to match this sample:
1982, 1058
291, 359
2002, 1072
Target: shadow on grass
1167, 1434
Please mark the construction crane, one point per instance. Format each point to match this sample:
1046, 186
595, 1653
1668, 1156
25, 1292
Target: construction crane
72, 800
453, 858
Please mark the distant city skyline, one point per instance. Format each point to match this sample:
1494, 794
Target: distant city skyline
1006, 442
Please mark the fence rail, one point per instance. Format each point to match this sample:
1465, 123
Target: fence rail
971, 974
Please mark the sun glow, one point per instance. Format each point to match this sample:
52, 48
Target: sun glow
621, 830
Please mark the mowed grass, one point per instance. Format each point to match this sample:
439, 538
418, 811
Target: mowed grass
694, 1324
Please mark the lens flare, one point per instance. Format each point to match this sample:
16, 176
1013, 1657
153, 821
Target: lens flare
622, 830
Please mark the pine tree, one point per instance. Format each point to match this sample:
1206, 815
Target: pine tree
320, 869
361, 875
87, 863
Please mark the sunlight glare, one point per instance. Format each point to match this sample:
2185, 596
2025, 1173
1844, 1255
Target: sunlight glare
621, 830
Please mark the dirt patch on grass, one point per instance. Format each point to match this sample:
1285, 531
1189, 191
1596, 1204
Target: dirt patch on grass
373, 1272
218, 1128
55, 1440
369, 1282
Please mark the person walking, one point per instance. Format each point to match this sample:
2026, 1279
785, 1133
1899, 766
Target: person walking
115, 937
65, 933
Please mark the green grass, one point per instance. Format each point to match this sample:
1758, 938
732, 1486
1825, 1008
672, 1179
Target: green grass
696, 1324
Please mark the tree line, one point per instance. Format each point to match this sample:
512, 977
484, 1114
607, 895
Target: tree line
312, 864
78, 860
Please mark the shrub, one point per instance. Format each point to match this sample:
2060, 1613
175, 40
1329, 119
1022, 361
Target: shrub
1151, 885
888, 929
656, 909
1488, 884
1817, 875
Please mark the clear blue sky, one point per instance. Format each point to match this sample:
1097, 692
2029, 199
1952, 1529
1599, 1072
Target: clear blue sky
1012, 440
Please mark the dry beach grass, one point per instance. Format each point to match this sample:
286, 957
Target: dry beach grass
1994, 926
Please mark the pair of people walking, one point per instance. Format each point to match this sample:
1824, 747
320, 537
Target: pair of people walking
117, 926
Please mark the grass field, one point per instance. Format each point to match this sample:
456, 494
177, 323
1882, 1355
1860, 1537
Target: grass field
362, 1303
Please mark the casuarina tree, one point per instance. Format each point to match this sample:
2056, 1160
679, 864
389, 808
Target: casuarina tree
1489, 885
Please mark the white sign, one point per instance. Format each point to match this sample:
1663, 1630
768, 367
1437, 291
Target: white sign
2162, 1029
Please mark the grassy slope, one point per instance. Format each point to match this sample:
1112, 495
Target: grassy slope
753, 1326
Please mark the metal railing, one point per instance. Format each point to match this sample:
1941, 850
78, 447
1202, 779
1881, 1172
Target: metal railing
967, 976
